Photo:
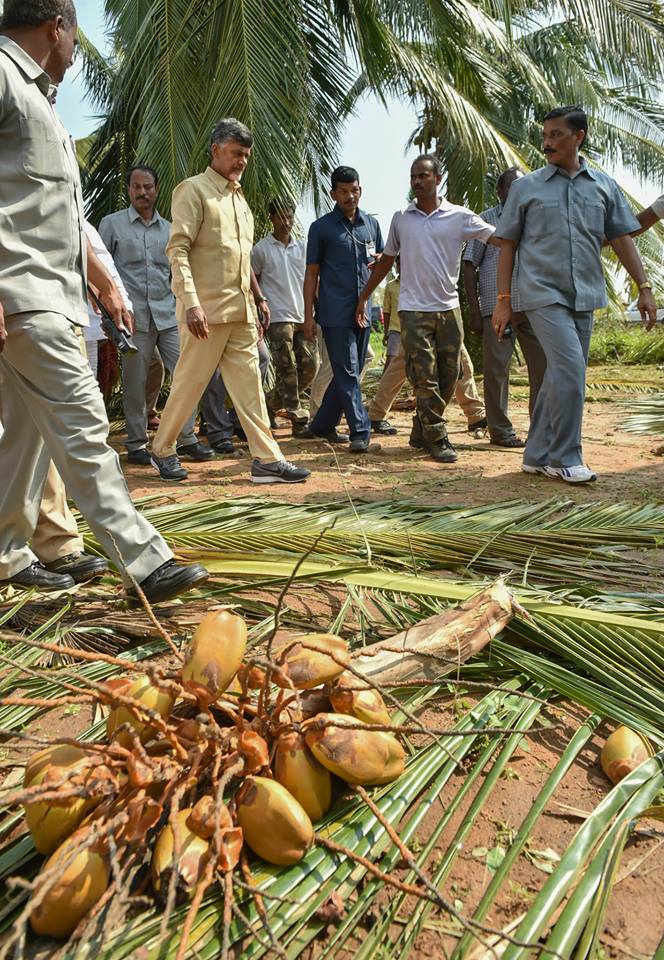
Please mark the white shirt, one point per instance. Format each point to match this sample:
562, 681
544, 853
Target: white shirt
430, 246
281, 271
94, 331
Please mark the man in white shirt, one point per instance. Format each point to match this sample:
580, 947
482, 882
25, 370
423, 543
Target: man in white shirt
279, 262
429, 235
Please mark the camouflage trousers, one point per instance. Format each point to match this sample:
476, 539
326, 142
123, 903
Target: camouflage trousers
432, 345
295, 362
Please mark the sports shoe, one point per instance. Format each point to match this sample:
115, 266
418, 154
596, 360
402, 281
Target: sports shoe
281, 471
170, 579
169, 468
140, 458
532, 468
441, 450
383, 427
332, 436
36, 575
79, 566
195, 451
223, 446
363, 446
579, 473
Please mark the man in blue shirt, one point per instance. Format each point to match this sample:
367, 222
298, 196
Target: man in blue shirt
558, 217
341, 248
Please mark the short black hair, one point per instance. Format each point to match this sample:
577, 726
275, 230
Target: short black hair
433, 160
344, 175
506, 175
32, 13
143, 168
574, 115
280, 206
231, 129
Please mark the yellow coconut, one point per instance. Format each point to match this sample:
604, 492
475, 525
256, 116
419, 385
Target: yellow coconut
79, 886
366, 704
364, 757
214, 655
141, 689
623, 752
50, 824
192, 851
296, 768
275, 824
306, 661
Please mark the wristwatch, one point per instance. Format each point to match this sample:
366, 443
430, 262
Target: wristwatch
262, 300
645, 286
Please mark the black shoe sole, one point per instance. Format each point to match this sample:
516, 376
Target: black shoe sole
180, 582
191, 459
68, 584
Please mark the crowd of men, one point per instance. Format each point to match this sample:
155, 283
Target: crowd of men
199, 298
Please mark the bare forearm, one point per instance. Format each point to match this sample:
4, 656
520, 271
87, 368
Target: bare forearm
470, 283
628, 255
98, 275
378, 274
506, 266
255, 287
310, 287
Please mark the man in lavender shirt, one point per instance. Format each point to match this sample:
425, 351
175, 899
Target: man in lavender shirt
429, 235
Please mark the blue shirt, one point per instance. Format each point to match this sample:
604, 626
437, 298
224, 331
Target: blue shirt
559, 222
342, 251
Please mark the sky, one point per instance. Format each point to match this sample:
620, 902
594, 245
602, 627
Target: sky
375, 142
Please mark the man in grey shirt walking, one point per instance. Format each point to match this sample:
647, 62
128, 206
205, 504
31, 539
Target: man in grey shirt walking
136, 238
558, 217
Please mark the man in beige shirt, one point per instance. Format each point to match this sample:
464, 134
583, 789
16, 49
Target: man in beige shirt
209, 250
52, 406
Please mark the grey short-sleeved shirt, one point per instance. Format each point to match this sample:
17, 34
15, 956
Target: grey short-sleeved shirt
42, 244
139, 251
560, 222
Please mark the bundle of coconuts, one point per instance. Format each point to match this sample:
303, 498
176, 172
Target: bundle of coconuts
224, 755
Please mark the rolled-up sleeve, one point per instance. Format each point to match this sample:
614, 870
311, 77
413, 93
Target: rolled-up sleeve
620, 219
393, 246
187, 214
510, 225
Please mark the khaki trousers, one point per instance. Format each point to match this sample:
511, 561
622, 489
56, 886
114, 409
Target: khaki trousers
394, 378
54, 410
230, 348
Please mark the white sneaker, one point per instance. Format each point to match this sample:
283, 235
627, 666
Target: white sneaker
530, 468
579, 473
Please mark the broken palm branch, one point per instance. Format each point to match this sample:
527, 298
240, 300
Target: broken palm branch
200, 781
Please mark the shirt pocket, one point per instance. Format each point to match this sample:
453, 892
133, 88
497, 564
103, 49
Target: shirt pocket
594, 217
543, 220
42, 150
132, 252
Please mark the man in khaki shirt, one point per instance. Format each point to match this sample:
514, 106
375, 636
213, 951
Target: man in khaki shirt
52, 406
209, 250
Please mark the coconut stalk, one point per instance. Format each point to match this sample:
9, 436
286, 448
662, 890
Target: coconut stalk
440, 644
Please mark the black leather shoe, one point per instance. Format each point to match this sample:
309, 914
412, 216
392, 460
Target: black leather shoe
36, 575
223, 446
140, 457
363, 446
170, 579
383, 427
195, 451
441, 450
79, 566
332, 436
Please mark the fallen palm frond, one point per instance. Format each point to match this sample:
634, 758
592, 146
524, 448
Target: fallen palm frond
646, 415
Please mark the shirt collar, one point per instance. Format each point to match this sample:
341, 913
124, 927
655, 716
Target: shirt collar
339, 215
551, 169
221, 183
290, 243
134, 215
26, 64
413, 207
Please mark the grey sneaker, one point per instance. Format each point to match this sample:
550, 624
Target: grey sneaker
279, 472
169, 468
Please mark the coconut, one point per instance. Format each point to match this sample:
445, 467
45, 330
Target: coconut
77, 889
142, 689
214, 655
192, 852
296, 768
274, 823
364, 704
623, 751
305, 662
50, 823
202, 821
366, 757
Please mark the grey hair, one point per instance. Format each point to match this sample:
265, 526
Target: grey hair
32, 13
231, 129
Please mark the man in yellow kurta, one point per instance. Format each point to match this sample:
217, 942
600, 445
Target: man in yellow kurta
209, 249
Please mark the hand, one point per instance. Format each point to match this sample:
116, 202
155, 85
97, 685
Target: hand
3, 329
259, 330
128, 319
475, 322
112, 300
372, 264
309, 329
647, 308
502, 317
264, 308
197, 323
361, 318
